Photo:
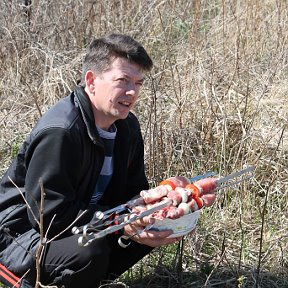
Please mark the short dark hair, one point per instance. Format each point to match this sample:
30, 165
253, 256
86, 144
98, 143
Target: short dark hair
103, 51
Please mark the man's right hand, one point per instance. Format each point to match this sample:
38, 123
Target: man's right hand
137, 232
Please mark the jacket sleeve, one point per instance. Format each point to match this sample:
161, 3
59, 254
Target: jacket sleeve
136, 168
52, 162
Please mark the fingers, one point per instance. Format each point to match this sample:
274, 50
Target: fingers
156, 238
149, 237
145, 221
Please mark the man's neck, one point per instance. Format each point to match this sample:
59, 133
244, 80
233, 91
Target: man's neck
99, 120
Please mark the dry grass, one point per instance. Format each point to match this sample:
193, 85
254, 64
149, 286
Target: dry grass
216, 100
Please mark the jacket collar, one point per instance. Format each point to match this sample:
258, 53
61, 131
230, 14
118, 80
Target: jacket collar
87, 114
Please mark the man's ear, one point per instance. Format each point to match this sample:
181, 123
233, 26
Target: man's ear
89, 81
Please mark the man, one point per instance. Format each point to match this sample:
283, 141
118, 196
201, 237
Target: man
85, 153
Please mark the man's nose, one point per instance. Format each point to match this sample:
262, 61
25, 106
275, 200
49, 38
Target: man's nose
132, 89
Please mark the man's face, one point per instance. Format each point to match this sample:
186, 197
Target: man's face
115, 92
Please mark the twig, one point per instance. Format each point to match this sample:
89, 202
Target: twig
218, 263
263, 214
20, 279
29, 207
68, 227
42, 239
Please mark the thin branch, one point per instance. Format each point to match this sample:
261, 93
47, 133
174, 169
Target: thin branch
68, 227
29, 207
42, 239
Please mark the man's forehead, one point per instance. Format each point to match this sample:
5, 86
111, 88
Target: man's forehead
121, 65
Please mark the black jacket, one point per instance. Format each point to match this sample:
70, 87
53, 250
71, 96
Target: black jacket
64, 155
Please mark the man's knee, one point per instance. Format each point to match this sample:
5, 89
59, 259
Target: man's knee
96, 252
66, 261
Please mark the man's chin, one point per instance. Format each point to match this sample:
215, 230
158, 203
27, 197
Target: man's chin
121, 116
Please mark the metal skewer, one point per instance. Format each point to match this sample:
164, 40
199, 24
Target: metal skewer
93, 231
198, 177
90, 233
231, 179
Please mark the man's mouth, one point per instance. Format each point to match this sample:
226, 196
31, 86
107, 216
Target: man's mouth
125, 103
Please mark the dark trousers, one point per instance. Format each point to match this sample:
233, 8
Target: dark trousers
67, 264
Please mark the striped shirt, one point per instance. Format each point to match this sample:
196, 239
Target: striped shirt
105, 176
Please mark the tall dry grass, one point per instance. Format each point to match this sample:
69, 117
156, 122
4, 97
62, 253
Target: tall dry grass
215, 100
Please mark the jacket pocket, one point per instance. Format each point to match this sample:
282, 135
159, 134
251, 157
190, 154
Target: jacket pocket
19, 255
13, 222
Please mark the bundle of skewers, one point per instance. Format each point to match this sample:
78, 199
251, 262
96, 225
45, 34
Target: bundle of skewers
182, 196
173, 198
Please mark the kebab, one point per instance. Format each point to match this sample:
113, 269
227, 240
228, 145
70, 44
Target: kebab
186, 197
172, 198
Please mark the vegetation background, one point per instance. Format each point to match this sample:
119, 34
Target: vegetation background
215, 100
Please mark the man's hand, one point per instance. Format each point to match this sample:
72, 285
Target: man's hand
137, 232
